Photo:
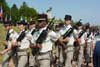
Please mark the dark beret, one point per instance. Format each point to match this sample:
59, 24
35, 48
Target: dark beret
79, 24
22, 22
42, 17
68, 17
32, 22
7, 23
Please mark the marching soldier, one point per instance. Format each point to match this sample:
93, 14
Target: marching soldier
8, 60
59, 50
79, 43
89, 44
32, 25
67, 42
22, 44
32, 29
44, 46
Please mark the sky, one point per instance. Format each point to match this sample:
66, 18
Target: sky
87, 10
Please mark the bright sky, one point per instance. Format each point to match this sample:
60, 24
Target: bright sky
87, 10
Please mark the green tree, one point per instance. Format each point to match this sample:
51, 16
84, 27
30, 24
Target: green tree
14, 12
27, 12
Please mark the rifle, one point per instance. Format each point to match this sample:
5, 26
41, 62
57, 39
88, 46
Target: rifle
33, 31
67, 34
86, 55
7, 38
43, 35
76, 43
19, 39
77, 47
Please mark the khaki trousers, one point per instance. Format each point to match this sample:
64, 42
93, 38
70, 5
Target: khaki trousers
69, 56
22, 59
43, 60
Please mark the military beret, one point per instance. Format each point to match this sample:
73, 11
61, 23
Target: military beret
87, 25
42, 17
68, 17
79, 24
22, 22
32, 22
7, 23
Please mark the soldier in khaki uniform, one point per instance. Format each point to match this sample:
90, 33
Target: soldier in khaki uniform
68, 47
10, 37
22, 43
80, 39
32, 29
89, 37
43, 57
59, 59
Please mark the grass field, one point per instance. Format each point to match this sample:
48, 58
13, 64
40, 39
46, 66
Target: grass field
2, 38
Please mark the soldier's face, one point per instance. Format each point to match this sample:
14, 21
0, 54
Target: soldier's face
31, 26
7, 27
67, 22
42, 24
80, 27
21, 26
87, 30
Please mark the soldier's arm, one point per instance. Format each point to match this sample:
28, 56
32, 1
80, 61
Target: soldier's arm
64, 40
5, 43
30, 38
7, 49
53, 36
75, 34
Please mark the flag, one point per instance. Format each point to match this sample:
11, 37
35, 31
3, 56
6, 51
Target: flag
1, 13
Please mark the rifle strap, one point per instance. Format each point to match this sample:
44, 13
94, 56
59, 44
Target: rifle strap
21, 36
33, 31
81, 34
68, 32
88, 34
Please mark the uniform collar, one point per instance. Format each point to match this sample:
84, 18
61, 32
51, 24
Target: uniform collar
32, 29
22, 31
11, 30
43, 28
68, 26
79, 30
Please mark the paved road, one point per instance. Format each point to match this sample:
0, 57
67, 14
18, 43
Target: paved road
90, 65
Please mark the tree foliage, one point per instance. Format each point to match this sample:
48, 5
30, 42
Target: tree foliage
27, 12
14, 13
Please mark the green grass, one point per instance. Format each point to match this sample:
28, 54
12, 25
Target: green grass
2, 38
